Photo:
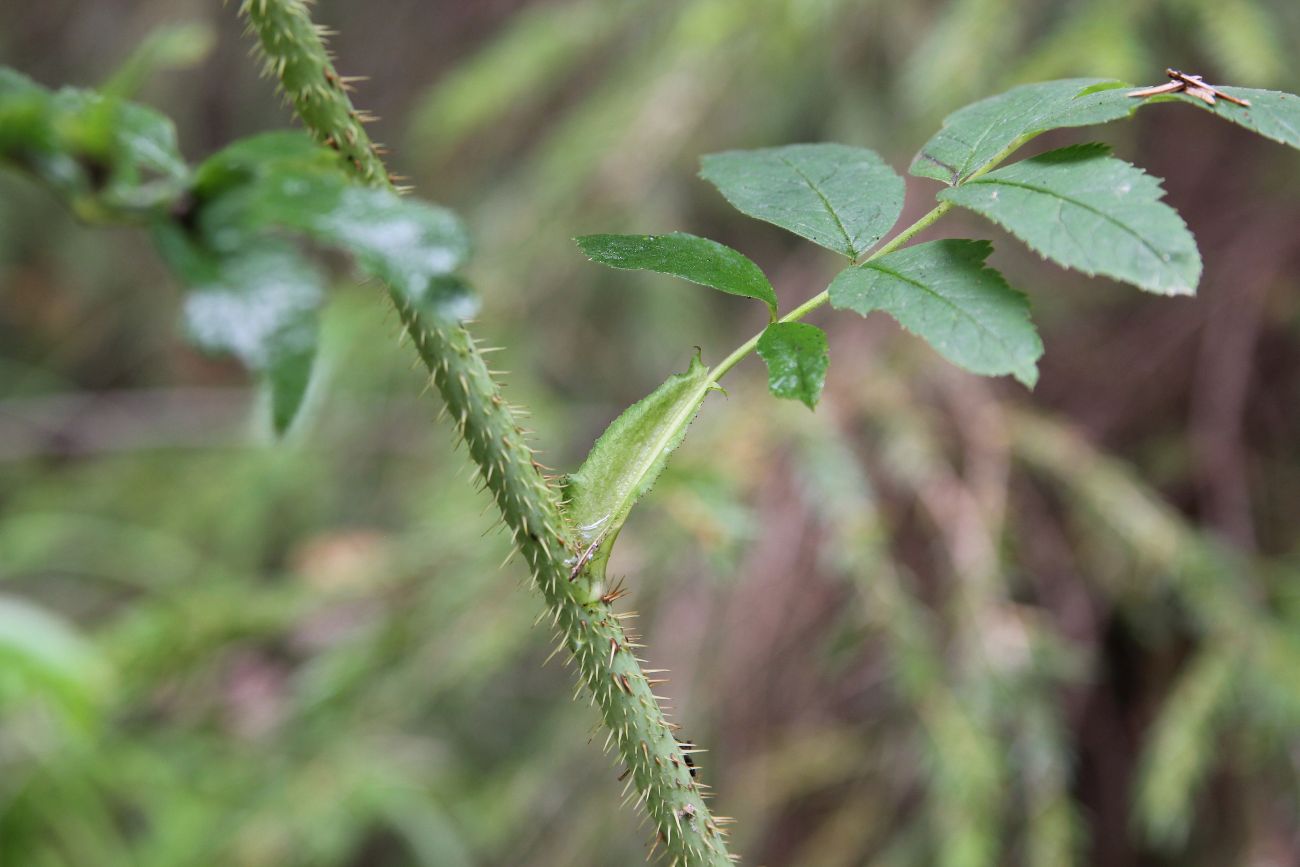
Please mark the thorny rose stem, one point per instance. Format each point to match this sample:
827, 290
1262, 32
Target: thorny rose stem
661, 771
295, 54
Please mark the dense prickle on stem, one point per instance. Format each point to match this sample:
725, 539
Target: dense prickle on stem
308, 79
586, 626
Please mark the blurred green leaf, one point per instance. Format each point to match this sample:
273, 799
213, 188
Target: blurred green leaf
262, 307
287, 182
796, 358
687, 256
943, 292
1086, 210
1097, 35
979, 132
627, 459
843, 198
968, 40
259, 157
108, 159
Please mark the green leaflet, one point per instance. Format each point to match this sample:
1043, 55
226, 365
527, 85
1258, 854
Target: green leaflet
258, 299
286, 182
843, 198
797, 358
1272, 114
258, 157
627, 459
1086, 210
943, 292
108, 159
977, 133
259, 305
687, 256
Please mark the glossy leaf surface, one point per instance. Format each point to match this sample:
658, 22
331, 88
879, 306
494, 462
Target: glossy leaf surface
681, 255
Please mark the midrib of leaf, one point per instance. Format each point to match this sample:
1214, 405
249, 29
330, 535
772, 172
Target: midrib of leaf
928, 291
988, 130
1062, 197
848, 242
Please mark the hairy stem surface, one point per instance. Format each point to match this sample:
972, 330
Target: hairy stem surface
296, 55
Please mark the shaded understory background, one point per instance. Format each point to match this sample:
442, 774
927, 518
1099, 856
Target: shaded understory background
941, 621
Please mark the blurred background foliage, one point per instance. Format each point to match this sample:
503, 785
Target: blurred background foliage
942, 621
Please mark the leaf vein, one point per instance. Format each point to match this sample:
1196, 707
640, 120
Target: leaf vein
1034, 188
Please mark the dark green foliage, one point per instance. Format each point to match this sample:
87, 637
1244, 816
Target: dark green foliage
1085, 210
796, 358
976, 134
258, 300
261, 305
692, 258
412, 246
943, 292
110, 160
1272, 114
843, 198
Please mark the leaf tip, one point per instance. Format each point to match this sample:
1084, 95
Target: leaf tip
1027, 376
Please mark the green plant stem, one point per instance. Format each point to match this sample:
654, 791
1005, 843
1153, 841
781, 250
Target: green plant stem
585, 624
925, 222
